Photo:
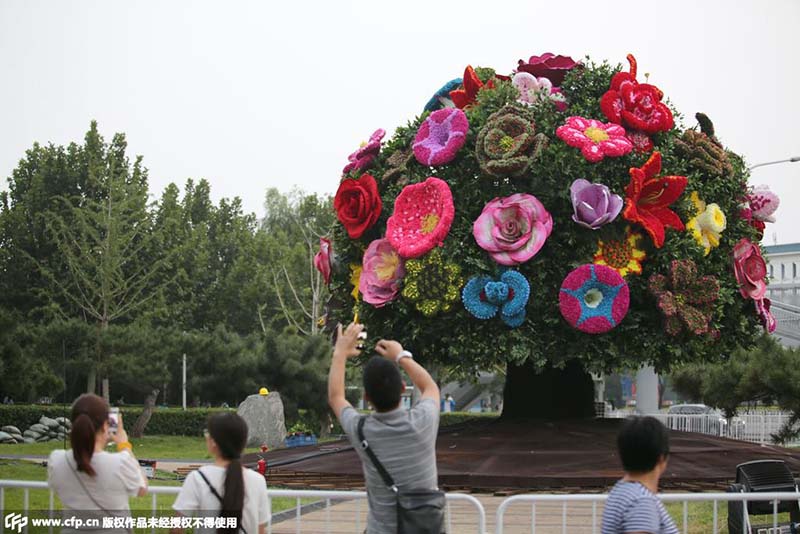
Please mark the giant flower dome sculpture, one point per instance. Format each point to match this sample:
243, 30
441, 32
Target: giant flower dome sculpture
551, 211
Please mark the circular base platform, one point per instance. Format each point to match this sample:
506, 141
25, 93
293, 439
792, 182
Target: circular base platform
532, 455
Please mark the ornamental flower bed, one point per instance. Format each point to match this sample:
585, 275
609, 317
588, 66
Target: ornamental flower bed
551, 209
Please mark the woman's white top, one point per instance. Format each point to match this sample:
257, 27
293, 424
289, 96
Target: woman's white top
117, 478
196, 499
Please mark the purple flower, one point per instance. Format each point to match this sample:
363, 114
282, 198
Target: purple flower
440, 137
594, 204
362, 159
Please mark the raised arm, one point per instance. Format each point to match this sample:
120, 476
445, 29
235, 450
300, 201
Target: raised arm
421, 379
346, 347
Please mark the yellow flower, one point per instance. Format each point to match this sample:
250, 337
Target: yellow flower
355, 279
624, 256
707, 226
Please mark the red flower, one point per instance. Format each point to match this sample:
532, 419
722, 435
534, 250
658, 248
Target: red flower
648, 198
465, 97
322, 260
637, 106
358, 204
549, 66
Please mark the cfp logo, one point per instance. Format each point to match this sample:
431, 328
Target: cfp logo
16, 522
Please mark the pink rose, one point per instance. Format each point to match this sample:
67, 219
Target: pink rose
382, 271
322, 260
548, 65
513, 229
750, 269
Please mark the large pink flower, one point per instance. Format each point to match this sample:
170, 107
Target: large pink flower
322, 260
422, 217
440, 137
382, 271
595, 139
750, 269
513, 229
363, 158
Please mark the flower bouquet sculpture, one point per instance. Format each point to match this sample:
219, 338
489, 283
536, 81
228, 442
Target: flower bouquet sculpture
554, 215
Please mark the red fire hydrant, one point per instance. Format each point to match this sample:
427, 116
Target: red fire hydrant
262, 466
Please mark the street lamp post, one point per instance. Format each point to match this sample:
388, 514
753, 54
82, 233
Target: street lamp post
790, 160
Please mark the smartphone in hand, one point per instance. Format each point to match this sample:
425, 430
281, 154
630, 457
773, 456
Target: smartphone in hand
113, 420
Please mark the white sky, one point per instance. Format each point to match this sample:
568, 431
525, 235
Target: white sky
253, 94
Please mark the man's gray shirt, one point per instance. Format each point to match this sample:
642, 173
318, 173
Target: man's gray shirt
405, 443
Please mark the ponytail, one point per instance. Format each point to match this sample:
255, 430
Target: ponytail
82, 438
233, 499
89, 414
229, 432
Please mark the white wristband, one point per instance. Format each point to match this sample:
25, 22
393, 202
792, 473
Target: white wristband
404, 354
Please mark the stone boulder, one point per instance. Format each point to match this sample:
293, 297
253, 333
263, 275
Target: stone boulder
265, 422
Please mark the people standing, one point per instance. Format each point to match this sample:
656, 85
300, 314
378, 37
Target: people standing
404, 441
226, 488
632, 505
89, 480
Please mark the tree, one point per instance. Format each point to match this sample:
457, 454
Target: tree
505, 153
765, 373
102, 242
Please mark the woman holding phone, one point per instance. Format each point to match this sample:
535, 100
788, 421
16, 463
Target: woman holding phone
87, 478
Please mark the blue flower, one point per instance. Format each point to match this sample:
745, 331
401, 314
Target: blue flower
484, 297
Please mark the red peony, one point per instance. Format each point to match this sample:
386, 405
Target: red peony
549, 66
637, 106
358, 205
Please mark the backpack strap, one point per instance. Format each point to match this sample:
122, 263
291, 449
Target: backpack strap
215, 492
387, 478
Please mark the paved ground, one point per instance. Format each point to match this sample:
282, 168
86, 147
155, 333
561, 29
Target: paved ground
350, 517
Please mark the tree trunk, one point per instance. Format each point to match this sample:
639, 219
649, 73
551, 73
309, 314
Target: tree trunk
149, 404
548, 393
91, 379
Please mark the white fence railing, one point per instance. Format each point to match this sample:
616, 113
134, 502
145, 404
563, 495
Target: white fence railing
327, 509
756, 427
585, 512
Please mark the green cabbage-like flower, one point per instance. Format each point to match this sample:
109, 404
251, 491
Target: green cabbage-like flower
508, 142
432, 284
685, 298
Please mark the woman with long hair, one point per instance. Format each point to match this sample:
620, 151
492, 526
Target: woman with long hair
88, 479
225, 488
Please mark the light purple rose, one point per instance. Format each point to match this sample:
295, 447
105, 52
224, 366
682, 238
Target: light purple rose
382, 273
594, 204
513, 229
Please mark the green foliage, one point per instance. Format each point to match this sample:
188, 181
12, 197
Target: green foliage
461, 342
768, 372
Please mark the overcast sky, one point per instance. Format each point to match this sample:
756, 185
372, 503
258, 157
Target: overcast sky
277, 93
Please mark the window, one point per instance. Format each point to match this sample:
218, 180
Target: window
783, 271
771, 272
794, 270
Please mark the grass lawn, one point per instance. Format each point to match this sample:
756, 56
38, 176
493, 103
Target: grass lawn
148, 447
141, 506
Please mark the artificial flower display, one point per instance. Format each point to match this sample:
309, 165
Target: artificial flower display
594, 298
355, 281
685, 298
358, 204
636, 106
750, 269
707, 226
648, 199
594, 205
623, 255
432, 283
441, 98
464, 98
532, 90
323, 260
363, 158
704, 151
422, 217
765, 314
493, 176
485, 297
382, 273
508, 143
550, 66
513, 229
595, 139
440, 137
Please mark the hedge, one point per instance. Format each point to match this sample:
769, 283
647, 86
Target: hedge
164, 422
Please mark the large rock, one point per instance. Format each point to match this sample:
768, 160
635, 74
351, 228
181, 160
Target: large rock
265, 422
11, 429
